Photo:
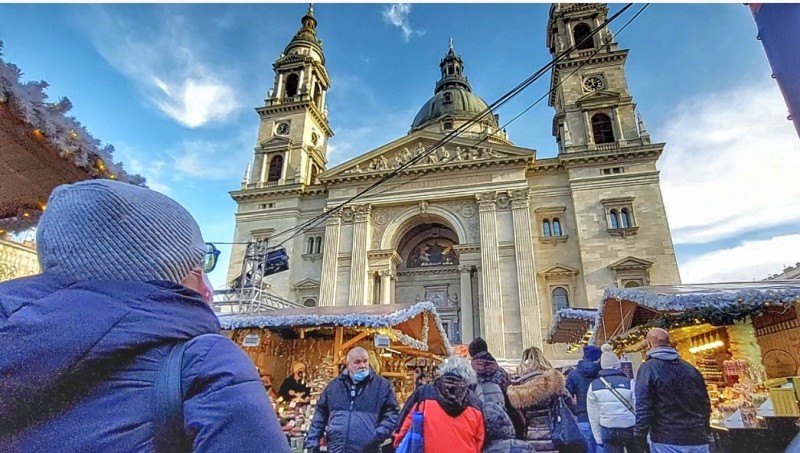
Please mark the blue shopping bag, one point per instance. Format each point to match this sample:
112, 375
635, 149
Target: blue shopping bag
413, 441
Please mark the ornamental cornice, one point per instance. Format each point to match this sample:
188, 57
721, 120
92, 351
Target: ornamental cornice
392, 255
257, 193
447, 269
592, 158
466, 248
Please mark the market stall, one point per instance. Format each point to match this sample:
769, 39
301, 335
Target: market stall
398, 337
744, 338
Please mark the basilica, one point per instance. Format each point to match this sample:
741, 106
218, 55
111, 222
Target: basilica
497, 238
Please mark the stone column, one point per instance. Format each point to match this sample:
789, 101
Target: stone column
330, 261
358, 269
279, 94
588, 122
526, 270
618, 123
386, 286
490, 261
467, 331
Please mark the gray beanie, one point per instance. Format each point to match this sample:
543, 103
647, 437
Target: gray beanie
609, 360
108, 230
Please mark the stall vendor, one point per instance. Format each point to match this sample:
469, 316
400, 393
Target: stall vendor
294, 387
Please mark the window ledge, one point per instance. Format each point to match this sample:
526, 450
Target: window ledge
623, 232
554, 240
312, 257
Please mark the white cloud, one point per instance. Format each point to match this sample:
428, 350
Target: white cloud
397, 15
165, 64
153, 170
751, 260
730, 165
212, 160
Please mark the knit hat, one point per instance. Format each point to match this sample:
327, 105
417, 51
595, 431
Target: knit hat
609, 360
477, 346
591, 353
108, 230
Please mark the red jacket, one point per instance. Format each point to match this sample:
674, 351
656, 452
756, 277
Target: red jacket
463, 433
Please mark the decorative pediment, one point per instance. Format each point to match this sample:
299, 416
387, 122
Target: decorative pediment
559, 271
307, 284
275, 142
630, 263
598, 97
461, 151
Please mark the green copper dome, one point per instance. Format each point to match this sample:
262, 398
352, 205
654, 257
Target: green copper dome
453, 97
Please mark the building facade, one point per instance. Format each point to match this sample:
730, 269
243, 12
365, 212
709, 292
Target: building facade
17, 258
497, 238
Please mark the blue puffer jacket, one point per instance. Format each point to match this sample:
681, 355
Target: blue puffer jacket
80, 360
354, 424
578, 384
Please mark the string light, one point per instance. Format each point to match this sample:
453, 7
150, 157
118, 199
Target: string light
706, 347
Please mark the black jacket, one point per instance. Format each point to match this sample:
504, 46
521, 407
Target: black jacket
672, 403
354, 424
578, 385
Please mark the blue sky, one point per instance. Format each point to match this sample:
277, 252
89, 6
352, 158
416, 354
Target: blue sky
173, 88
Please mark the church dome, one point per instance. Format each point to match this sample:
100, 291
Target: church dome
453, 97
455, 103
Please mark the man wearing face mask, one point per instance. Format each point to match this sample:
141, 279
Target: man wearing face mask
357, 411
83, 342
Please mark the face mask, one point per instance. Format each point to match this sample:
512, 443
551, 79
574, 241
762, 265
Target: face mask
359, 376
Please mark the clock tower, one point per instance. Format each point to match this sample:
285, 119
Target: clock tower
294, 130
594, 110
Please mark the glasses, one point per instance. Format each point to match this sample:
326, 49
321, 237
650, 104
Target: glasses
210, 260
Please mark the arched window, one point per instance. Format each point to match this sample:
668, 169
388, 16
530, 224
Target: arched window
581, 32
612, 217
310, 303
546, 228
560, 299
601, 129
275, 168
632, 284
447, 97
310, 247
292, 83
318, 248
625, 219
556, 227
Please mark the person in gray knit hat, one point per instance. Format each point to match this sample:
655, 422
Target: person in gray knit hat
84, 341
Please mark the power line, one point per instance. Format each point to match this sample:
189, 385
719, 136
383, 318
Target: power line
313, 222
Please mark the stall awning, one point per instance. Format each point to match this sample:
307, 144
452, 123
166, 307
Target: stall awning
570, 325
625, 308
415, 325
42, 147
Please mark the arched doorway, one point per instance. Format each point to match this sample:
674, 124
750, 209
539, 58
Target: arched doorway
430, 271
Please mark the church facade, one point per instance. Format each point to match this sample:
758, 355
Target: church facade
497, 238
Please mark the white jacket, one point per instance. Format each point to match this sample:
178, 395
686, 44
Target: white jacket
604, 408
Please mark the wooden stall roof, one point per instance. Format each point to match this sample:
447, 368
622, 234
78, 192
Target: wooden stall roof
570, 325
625, 308
406, 321
42, 147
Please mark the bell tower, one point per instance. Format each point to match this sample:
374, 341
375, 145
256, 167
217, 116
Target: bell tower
594, 110
294, 130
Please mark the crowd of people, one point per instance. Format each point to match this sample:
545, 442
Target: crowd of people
114, 347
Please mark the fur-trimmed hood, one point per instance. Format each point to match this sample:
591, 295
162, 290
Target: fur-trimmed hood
536, 388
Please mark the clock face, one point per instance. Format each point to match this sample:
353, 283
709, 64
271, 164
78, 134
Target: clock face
282, 129
314, 138
593, 84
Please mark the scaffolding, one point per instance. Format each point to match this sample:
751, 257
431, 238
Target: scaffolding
250, 293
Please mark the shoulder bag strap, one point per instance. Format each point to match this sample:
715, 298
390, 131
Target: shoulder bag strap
168, 432
622, 400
